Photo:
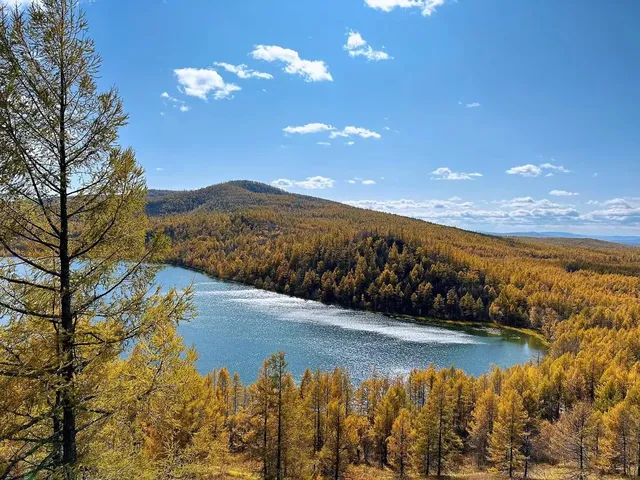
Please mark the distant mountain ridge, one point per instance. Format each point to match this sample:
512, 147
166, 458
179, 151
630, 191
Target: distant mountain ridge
622, 239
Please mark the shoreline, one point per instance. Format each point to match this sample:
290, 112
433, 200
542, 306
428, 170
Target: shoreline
544, 343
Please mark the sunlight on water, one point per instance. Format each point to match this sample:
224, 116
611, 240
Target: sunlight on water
297, 310
239, 326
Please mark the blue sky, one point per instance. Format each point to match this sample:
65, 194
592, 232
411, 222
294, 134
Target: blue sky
495, 115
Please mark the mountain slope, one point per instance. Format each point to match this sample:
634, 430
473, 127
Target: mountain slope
227, 197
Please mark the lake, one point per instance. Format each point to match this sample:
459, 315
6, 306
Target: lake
239, 326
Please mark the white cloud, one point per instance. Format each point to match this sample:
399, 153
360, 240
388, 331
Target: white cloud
362, 181
617, 211
176, 103
350, 144
563, 193
311, 71
518, 211
426, 6
243, 71
355, 131
311, 183
200, 82
555, 168
169, 97
530, 170
445, 173
473, 105
357, 46
160, 169
324, 144
524, 212
309, 128
525, 170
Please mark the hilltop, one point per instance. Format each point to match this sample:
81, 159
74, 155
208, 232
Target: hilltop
227, 197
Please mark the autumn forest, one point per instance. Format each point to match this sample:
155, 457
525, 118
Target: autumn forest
96, 382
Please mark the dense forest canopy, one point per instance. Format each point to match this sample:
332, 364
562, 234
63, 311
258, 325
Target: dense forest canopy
579, 408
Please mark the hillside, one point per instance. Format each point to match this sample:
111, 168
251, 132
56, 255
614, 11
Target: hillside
322, 250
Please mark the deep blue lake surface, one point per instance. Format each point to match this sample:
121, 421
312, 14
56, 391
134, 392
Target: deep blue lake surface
238, 327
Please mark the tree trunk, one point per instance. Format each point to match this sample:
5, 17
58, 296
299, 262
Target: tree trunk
338, 434
69, 447
279, 449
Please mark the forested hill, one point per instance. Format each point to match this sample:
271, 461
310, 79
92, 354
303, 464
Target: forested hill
228, 197
317, 249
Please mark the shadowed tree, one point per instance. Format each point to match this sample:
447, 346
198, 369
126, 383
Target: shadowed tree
75, 285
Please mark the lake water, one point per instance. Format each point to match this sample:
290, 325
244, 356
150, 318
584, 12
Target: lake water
238, 327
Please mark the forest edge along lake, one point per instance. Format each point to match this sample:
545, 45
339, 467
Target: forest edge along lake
238, 326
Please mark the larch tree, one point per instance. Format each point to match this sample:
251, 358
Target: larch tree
509, 431
573, 439
400, 442
483, 418
618, 442
76, 279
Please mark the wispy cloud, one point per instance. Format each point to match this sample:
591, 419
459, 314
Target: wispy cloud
362, 181
426, 6
355, 131
311, 183
168, 97
445, 173
473, 105
243, 71
310, 70
200, 82
530, 170
358, 47
309, 128
347, 132
174, 102
515, 212
563, 193
324, 144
